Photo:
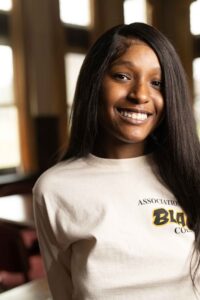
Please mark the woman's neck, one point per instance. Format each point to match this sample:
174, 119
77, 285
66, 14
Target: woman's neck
118, 150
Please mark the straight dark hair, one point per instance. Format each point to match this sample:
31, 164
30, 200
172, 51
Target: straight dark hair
176, 144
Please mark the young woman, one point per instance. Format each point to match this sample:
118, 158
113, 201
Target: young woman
119, 217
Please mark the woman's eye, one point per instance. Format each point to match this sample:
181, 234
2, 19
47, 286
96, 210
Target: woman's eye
121, 77
157, 84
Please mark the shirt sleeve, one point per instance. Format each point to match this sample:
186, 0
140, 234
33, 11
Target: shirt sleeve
56, 260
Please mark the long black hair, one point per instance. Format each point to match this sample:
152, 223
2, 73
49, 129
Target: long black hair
177, 150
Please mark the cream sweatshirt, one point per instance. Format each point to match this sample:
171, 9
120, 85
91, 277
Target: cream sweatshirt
109, 230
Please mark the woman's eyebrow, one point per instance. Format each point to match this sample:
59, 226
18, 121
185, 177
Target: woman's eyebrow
131, 64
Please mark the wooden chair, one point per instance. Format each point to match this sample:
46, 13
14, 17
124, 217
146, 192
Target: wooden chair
14, 262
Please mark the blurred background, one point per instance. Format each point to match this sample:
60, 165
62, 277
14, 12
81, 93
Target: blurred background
42, 46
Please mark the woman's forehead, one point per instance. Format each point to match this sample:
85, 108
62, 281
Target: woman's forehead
136, 49
123, 44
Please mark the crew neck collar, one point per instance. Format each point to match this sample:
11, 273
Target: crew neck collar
124, 163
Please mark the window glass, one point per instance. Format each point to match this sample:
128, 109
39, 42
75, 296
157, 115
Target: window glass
196, 76
6, 75
135, 11
75, 12
194, 17
9, 131
73, 62
9, 139
5, 5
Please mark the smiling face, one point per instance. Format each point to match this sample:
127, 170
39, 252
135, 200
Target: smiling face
131, 103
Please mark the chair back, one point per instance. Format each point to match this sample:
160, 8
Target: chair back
13, 253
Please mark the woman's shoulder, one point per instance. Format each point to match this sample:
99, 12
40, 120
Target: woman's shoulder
58, 175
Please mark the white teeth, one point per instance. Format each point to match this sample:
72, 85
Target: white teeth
137, 116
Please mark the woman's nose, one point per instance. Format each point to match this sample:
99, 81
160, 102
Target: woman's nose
139, 93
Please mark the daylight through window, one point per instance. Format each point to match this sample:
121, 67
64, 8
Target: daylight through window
135, 11
76, 12
9, 131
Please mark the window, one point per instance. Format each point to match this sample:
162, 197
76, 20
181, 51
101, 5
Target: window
76, 12
9, 133
73, 62
196, 76
135, 11
194, 17
195, 30
5, 5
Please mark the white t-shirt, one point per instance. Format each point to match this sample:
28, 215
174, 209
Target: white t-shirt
109, 230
